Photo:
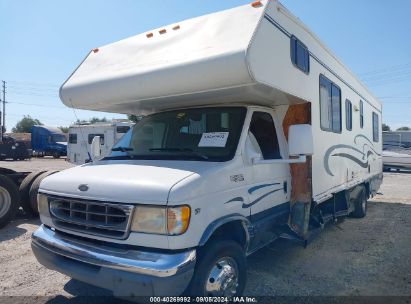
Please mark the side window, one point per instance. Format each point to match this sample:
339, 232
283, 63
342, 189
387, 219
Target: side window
73, 138
91, 136
361, 114
263, 129
348, 115
122, 129
300, 56
330, 105
375, 127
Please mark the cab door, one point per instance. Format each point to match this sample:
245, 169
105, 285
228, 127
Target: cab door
270, 187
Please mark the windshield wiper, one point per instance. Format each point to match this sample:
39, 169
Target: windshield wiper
190, 151
122, 149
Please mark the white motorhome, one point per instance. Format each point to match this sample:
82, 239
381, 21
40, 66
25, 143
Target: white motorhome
81, 137
254, 131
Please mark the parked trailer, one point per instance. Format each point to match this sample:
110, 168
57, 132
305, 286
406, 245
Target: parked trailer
81, 136
254, 132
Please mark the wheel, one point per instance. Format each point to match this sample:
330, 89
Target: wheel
24, 191
56, 155
360, 204
9, 200
34, 189
220, 270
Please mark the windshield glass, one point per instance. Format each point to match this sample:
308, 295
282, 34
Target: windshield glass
58, 138
204, 134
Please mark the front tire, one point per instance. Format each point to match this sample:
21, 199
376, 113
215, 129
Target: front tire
221, 270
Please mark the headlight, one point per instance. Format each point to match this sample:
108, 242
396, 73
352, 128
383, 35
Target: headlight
161, 220
43, 204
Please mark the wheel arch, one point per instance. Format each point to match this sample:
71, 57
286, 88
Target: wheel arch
233, 227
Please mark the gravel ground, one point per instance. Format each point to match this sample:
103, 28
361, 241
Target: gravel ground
355, 257
46, 163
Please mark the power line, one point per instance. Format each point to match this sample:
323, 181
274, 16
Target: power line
37, 105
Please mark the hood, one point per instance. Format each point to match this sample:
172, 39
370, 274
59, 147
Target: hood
140, 183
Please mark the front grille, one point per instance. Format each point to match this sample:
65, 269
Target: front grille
97, 218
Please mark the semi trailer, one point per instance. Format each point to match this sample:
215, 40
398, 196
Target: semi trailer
253, 131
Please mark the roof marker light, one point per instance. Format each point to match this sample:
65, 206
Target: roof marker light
149, 35
95, 50
177, 27
163, 31
256, 4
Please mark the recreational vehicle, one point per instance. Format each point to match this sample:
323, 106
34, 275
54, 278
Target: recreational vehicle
253, 131
81, 136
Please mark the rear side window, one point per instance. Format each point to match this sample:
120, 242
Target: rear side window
361, 114
300, 56
375, 127
73, 138
91, 136
263, 129
348, 115
330, 105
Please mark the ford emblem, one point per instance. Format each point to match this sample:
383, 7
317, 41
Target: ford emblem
83, 187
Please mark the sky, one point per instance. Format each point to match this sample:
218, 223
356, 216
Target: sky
43, 41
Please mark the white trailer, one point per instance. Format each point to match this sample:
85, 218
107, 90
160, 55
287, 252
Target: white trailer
255, 131
81, 137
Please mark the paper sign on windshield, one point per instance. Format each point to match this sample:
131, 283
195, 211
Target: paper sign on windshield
213, 139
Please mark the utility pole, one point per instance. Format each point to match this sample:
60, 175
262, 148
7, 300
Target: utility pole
3, 127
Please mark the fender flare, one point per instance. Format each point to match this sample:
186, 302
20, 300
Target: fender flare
213, 226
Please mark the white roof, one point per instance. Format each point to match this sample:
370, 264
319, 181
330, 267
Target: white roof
228, 56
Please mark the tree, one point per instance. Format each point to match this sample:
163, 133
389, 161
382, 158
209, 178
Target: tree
403, 129
135, 118
64, 129
25, 124
92, 120
386, 127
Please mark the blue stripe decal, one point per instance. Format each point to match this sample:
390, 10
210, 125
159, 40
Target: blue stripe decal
260, 198
288, 34
252, 189
236, 199
275, 211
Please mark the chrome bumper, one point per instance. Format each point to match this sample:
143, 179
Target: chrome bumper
143, 262
160, 270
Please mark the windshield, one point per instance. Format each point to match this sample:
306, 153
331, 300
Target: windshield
204, 134
58, 138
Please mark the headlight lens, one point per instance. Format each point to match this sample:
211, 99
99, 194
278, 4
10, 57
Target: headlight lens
43, 204
149, 220
161, 220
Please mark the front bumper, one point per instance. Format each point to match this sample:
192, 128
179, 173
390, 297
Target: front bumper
125, 272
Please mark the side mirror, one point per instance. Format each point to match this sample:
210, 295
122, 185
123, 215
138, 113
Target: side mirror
95, 148
300, 140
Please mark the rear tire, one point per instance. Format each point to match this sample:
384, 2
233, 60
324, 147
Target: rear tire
25, 191
9, 200
360, 204
34, 189
221, 270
